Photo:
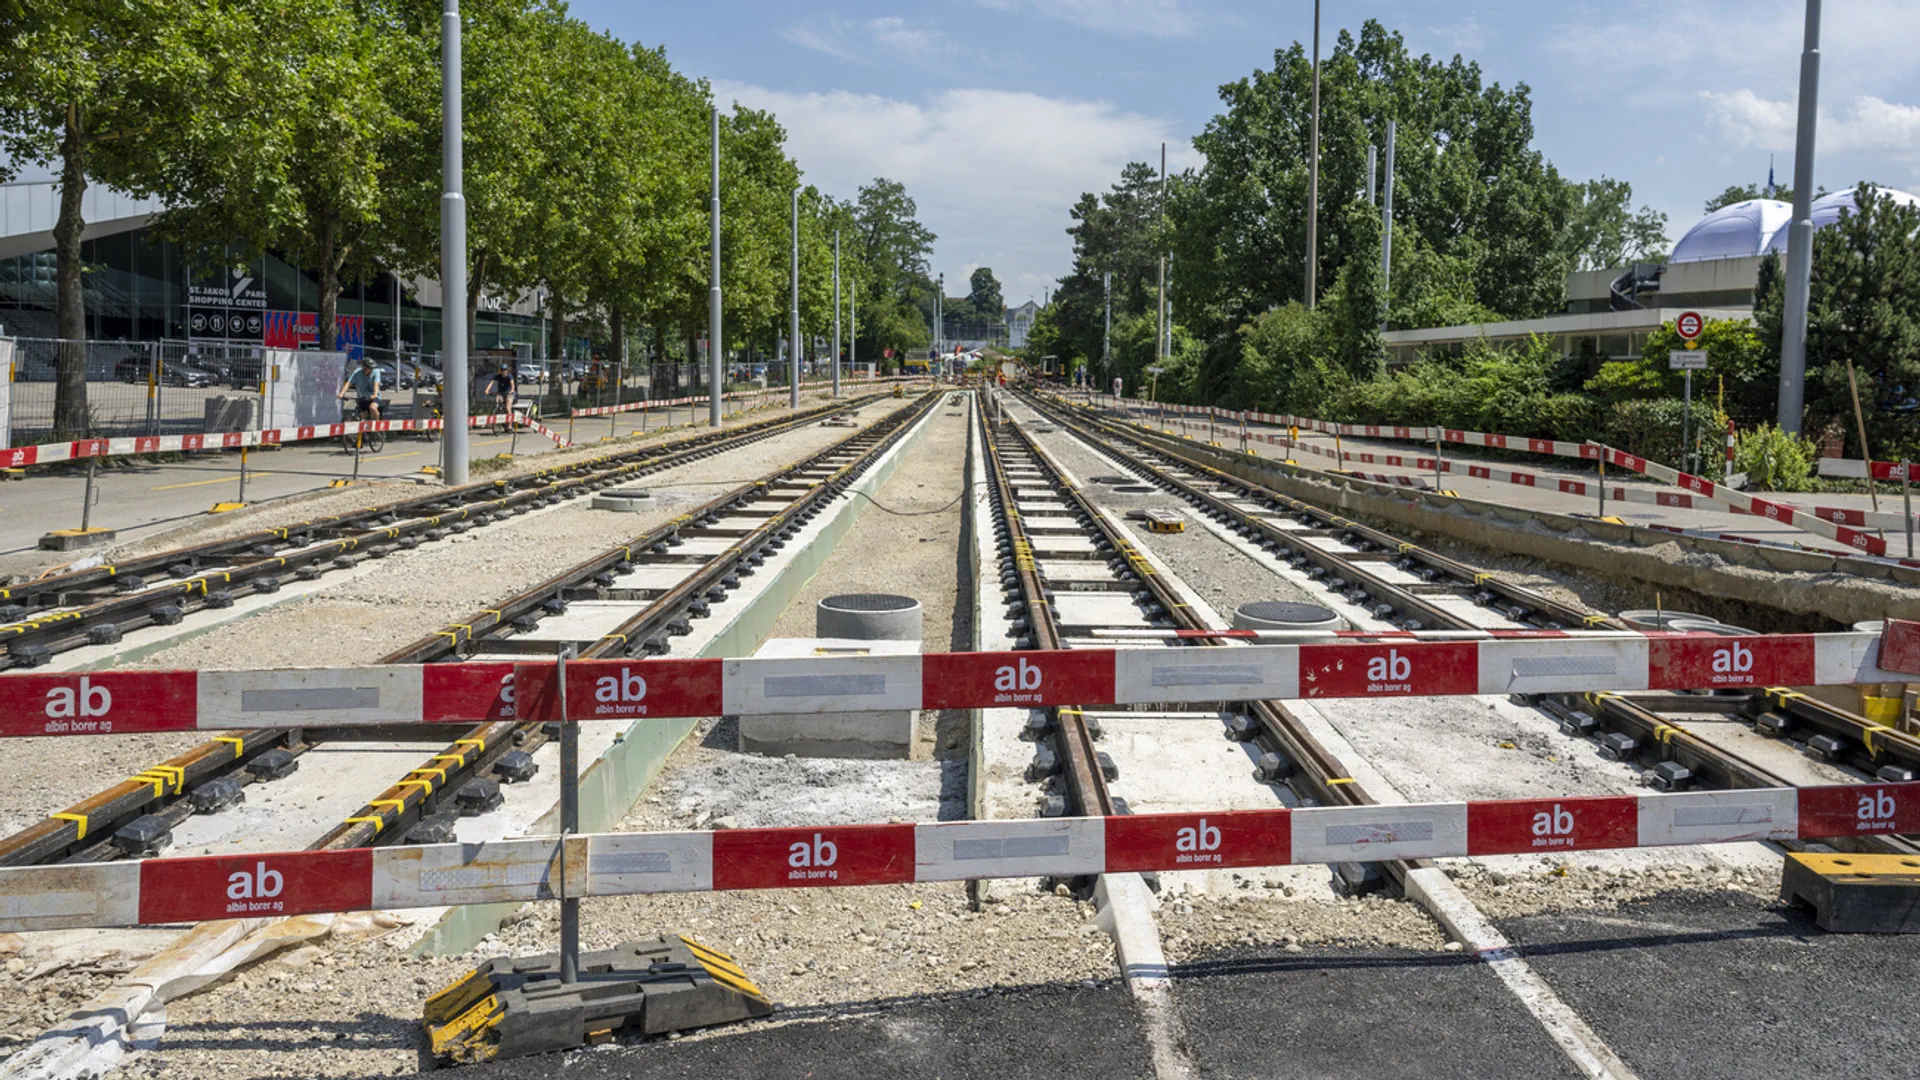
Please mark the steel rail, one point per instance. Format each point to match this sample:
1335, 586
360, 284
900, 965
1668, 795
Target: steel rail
98, 606
1662, 736
164, 787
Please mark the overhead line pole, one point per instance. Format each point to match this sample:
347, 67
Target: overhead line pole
1160, 309
1386, 230
1799, 284
453, 254
836, 313
793, 344
716, 376
1313, 167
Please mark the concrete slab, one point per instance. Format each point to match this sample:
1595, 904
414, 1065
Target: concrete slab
880, 734
1098, 609
586, 620
1061, 545
1074, 570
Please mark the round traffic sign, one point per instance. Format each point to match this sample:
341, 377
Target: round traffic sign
1688, 325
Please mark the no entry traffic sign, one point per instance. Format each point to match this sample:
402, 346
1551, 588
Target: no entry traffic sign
1688, 325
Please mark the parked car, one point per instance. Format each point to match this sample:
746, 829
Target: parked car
528, 372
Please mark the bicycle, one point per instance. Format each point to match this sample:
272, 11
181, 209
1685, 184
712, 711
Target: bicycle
520, 416
370, 442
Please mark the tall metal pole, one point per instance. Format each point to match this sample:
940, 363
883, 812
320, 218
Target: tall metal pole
1106, 327
1313, 166
1386, 230
853, 324
1373, 166
1793, 335
836, 313
453, 254
716, 374
793, 346
939, 315
1160, 308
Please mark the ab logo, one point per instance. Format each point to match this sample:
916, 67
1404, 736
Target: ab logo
261, 883
1735, 660
1203, 837
819, 853
87, 700
1875, 809
1389, 668
1556, 822
1021, 676
625, 687
506, 689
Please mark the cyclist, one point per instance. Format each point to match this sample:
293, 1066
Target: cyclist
501, 388
364, 381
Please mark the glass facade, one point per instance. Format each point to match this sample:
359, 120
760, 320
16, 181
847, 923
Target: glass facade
139, 288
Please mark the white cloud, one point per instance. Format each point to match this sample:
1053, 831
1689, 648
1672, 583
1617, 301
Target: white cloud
994, 172
1871, 126
889, 38
1865, 44
1148, 18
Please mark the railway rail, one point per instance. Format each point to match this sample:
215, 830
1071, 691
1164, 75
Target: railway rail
1410, 588
100, 605
641, 595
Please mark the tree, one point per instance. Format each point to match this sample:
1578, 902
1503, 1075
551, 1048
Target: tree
896, 292
983, 293
1605, 231
1737, 193
105, 90
1469, 185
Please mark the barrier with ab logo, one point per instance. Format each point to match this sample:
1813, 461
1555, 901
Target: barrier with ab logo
1860, 810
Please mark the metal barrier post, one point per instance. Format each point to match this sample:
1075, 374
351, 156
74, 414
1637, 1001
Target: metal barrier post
86, 505
242, 499
359, 445
1906, 500
1602, 485
153, 405
1439, 464
569, 825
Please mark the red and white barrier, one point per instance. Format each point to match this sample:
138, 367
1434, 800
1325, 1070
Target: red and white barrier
157, 891
1856, 469
123, 702
1842, 524
81, 449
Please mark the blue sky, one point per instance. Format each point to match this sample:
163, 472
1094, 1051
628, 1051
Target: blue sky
997, 113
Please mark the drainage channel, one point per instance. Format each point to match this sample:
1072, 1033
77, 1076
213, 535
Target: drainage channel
100, 605
629, 601
1768, 737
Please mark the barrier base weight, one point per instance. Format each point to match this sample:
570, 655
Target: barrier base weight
75, 539
515, 1006
1856, 894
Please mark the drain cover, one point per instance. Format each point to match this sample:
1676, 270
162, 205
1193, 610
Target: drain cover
624, 500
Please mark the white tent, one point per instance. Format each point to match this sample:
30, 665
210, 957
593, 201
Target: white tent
1743, 229
1827, 208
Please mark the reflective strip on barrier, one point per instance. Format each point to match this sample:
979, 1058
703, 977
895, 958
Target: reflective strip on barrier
1391, 665
194, 889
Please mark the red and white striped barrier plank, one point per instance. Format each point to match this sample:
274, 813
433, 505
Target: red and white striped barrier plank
1841, 524
159, 891
1856, 469
123, 702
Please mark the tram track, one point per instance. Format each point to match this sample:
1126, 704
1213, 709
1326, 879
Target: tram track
1633, 727
647, 590
99, 605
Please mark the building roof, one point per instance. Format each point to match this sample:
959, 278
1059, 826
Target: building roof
29, 208
1745, 228
1827, 210
1595, 322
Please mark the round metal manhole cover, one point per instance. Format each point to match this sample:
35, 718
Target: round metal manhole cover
624, 500
869, 602
1287, 611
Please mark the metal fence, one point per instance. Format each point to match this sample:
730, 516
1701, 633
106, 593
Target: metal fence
173, 387
132, 388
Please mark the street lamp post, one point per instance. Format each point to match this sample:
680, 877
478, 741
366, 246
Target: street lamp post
716, 374
453, 255
1793, 331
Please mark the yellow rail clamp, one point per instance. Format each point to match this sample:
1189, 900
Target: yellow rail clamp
477, 744
399, 805
377, 821
239, 744
1482, 579
1592, 620
1340, 780
79, 820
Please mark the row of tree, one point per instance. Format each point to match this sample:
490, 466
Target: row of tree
312, 128
1484, 229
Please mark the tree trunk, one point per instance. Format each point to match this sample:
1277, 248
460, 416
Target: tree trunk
70, 306
329, 285
613, 366
476, 281
558, 307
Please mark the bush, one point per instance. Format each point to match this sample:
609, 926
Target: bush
1647, 428
1774, 460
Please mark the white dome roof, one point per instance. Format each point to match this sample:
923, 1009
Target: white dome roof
1745, 228
1826, 211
